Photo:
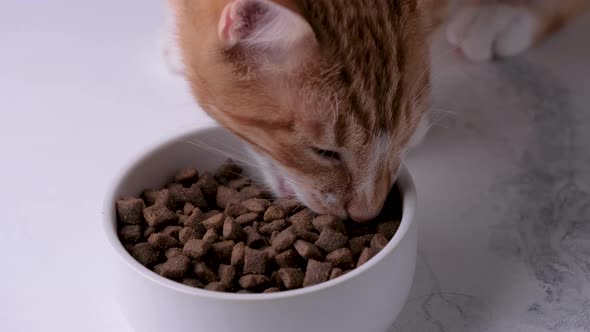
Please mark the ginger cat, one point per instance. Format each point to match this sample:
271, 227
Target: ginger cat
331, 94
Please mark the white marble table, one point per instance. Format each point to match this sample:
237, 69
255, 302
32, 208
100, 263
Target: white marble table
504, 189
503, 178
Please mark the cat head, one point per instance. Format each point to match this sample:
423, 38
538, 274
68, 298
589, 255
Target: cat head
329, 96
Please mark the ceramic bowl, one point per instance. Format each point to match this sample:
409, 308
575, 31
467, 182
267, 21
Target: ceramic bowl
367, 299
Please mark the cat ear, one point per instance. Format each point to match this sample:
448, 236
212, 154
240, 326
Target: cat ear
266, 28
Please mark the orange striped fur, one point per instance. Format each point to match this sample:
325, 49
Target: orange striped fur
329, 94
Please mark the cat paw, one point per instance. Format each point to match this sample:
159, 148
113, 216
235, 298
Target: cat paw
486, 31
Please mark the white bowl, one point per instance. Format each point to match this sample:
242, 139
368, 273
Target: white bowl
368, 299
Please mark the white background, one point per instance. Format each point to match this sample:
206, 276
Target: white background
82, 87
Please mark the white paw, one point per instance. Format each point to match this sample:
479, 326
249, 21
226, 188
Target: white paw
483, 32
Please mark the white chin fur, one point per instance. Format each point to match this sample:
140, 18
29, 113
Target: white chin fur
267, 171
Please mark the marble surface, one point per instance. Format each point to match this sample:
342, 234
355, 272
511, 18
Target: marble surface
502, 178
504, 194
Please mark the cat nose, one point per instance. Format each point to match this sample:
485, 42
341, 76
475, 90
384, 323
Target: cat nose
360, 219
362, 216
363, 209
366, 204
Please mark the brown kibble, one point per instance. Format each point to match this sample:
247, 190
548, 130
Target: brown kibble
258, 224
274, 235
144, 253
193, 282
196, 249
158, 197
173, 252
308, 250
159, 215
188, 209
215, 287
150, 196
304, 234
252, 281
333, 222
303, 219
341, 258
288, 258
271, 253
130, 234
255, 261
237, 255
171, 231
211, 236
275, 226
130, 210
204, 273
232, 230
388, 228
331, 240
292, 278
194, 220
317, 272
228, 171
173, 268
253, 239
208, 184
222, 250
239, 183
128, 247
336, 272
187, 176
358, 244
247, 219
275, 279
196, 216
149, 231
193, 194
250, 192
226, 195
284, 240
256, 205
186, 234
274, 213
354, 229
251, 244
210, 214
379, 242
163, 197
215, 222
227, 275
235, 209
366, 255
162, 242
287, 204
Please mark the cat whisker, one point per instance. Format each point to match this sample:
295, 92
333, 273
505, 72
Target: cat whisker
228, 154
444, 111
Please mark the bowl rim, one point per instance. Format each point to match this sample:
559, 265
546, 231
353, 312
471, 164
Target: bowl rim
405, 183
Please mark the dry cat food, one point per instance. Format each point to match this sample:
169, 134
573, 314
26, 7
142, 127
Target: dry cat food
221, 232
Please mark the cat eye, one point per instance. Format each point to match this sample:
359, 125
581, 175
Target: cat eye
327, 154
